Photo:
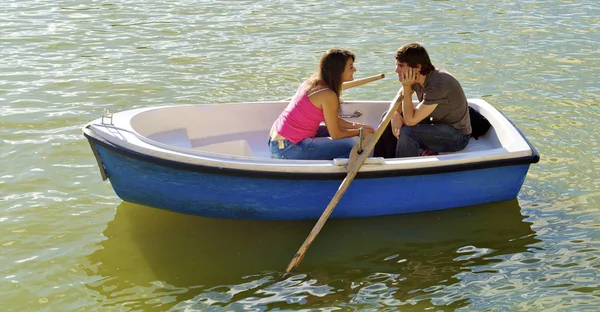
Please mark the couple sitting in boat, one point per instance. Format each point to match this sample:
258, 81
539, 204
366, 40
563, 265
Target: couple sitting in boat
439, 123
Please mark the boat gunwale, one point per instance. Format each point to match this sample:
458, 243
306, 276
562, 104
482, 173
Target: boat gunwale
383, 173
125, 135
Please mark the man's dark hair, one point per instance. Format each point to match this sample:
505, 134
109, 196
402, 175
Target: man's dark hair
413, 54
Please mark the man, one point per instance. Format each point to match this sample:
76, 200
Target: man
439, 122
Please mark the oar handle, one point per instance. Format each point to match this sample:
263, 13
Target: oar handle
360, 82
356, 83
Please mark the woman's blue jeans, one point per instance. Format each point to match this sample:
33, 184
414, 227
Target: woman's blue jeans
433, 137
321, 147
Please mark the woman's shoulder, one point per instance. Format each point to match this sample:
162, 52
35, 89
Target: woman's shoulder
320, 91
319, 94
312, 87
324, 97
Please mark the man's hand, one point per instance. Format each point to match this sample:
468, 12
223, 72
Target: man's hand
397, 122
409, 77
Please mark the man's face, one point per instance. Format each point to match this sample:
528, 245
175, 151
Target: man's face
401, 68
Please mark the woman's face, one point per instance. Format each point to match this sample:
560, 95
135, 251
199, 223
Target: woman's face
348, 74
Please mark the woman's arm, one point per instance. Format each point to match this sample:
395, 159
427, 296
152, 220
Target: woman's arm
345, 124
338, 128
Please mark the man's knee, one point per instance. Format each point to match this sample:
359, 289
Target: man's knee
407, 130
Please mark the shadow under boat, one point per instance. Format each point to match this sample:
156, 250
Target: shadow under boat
144, 245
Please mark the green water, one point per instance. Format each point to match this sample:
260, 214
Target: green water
69, 244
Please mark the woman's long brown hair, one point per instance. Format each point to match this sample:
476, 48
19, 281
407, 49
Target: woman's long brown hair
330, 70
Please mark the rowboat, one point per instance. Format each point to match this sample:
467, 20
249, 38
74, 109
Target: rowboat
213, 160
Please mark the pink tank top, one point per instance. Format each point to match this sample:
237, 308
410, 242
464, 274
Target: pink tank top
301, 118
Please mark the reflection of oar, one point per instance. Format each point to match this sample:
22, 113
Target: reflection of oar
357, 82
357, 158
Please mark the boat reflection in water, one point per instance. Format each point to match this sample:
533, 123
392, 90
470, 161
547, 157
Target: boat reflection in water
152, 253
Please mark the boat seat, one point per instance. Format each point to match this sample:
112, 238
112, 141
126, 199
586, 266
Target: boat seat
478, 145
474, 146
236, 148
175, 137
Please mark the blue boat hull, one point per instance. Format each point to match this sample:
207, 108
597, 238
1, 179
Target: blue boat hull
221, 193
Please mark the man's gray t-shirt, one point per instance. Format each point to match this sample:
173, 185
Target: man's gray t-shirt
443, 89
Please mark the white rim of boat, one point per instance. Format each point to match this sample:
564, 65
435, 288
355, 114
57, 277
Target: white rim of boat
122, 136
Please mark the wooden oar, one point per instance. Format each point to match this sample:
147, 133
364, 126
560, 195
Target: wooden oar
357, 158
356, 83
360, 82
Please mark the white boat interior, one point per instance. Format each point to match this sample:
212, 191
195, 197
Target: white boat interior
235, 136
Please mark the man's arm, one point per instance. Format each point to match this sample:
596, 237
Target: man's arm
413, 115
401, 98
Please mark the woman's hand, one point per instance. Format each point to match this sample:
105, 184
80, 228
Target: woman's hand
397, 122
366, 128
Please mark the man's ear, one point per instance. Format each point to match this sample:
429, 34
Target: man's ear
419, 68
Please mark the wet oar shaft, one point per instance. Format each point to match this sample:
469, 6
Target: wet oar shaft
354, 164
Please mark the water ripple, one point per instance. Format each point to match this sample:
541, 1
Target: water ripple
66, 248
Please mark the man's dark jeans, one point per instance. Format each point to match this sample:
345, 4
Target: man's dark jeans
433, 137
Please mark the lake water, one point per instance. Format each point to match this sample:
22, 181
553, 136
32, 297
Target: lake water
68, 243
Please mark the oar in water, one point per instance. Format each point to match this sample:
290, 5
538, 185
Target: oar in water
357, 158
356, 83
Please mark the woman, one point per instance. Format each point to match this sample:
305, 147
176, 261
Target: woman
297, 133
